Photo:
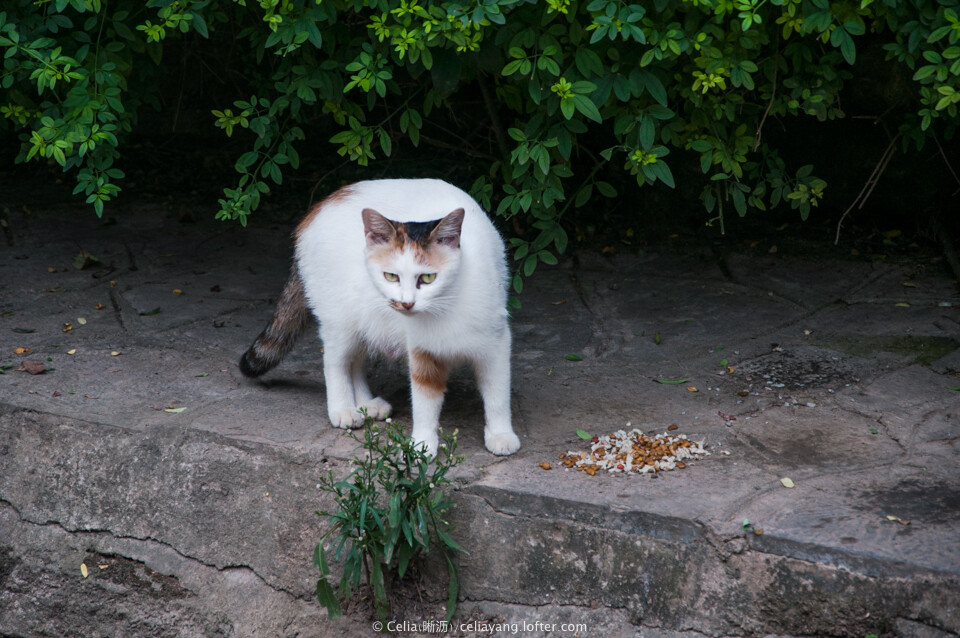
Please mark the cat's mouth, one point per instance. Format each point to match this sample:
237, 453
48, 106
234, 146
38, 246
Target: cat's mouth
406, 309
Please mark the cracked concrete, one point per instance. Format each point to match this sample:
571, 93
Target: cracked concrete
201, 522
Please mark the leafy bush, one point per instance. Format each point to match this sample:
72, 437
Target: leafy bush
389, 510
570, 89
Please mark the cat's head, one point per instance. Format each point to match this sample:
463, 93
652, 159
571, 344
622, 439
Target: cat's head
413, 264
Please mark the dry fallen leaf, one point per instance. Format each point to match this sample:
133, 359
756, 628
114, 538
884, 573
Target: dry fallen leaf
99, 306
74, 351
21, 350
673, 427
692, 388
545, 465
897, 519
177, 291
31, 367
172, 410
81, 321
67, 327
83, 570
786, 482
114, 353
84, 260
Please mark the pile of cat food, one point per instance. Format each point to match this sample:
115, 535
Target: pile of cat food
636, 452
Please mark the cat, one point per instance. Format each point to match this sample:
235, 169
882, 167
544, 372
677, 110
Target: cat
399, 266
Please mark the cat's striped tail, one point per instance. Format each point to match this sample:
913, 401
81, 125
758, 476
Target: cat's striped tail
289, 321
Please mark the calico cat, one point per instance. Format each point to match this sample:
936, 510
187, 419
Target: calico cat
403, 266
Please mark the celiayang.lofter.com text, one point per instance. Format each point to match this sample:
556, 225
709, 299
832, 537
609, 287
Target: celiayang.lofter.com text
484, 627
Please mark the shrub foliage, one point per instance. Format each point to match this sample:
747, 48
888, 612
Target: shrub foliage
571, 88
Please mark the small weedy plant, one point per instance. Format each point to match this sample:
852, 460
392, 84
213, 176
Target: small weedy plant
389, 510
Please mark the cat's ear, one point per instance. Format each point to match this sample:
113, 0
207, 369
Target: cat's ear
447, 230
377, 228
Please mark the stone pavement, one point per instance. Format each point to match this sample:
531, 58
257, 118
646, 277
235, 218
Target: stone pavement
200, 521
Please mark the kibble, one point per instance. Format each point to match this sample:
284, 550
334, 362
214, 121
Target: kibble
635, 452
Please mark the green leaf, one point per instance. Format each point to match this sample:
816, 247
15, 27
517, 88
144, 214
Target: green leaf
573, 357
663, 173
453, 589
529, 265
583, 434
150, 313
548, 258
199, 24
654, 86
672, 381
404, 555
854, 27
328, 598
840, 38
586, 106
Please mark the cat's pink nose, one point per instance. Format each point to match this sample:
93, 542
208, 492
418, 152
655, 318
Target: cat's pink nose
407, 305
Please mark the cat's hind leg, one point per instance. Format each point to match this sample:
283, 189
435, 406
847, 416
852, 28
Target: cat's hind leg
493, 378
375, 407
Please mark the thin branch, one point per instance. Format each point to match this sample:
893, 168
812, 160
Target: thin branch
947, 162
773, 96
494, 116
870, 184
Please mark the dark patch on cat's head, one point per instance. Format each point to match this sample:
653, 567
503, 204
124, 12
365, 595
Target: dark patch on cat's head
418, 232
418, 236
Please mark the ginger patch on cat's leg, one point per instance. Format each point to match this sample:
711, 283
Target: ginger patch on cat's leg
428, 372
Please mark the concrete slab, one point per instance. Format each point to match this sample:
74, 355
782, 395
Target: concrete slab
837, 375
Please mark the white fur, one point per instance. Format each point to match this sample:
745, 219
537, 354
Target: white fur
460, 317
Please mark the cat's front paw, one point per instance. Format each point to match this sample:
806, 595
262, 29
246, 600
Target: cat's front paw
502, 443
346, 418
376, 408
428, 445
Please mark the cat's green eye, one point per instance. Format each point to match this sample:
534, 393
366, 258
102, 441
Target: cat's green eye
428, 278
389, 276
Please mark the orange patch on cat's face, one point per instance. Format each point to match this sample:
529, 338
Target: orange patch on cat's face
385, 255
428, 372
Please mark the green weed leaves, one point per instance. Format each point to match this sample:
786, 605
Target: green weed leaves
389, 510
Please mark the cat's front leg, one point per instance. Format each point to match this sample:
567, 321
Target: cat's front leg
493, 379
375, 407
338, 360
428, 382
